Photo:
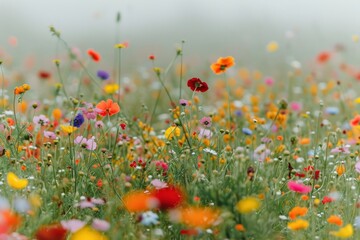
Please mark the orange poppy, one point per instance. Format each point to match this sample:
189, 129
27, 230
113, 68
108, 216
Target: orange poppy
94, 55
108, 108
323, 57
333, 219
222, 64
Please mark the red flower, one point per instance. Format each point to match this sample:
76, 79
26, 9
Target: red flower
94, 55
195, 84
327, 199
51, 232
169, 197
44, 74
107, 108
323, 57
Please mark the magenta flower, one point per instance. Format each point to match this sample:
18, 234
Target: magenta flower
295, 106
184, 102
269, 81
298, 187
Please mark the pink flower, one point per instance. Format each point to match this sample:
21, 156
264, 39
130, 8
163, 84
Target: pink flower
206, 121
204, 133
344, 150
298, 187
158, 184
100, 225
50, 135
41, 120
295, 106
357, 166
91, 202
89, 144
269, 81
73, 225
89, 111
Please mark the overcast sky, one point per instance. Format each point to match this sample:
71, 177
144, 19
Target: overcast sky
211, 28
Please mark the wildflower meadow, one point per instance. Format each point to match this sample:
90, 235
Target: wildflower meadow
220, 151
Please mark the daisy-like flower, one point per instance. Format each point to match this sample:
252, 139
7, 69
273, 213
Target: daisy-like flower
90, 202
50, 135
206, 121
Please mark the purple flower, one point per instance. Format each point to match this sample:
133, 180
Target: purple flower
206, 121
357, 166
49, 134
78, 120
41, 120
103, 75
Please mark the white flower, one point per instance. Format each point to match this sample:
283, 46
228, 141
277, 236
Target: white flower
208, 150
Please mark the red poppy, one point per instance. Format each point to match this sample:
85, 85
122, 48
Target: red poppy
195, 84
169, 197
323, 57
94, 55
327, 199
107, 108
51, 232
44, 74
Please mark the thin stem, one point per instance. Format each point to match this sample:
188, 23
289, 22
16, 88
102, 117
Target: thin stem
181, 67
119, 75
2, 87
62, 81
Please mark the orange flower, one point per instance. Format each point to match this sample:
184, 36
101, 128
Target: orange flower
137, 201
198, 217
333, 219
340, 169
9, 221
297, 211
108, 108
323, 57
222, 64
239, 227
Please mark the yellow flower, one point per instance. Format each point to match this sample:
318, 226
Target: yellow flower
248, 205
111, 88
16, 182
344, 232
68, 129
171, 131
340, 169
298, 225
272, 47
357, 100
88, 233
355, 38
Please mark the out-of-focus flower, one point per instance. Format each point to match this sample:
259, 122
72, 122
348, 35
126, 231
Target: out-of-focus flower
41, 120
87, 233
158, 184
73, 225
68, 129
299, 224
103, 75
16, 182
94, 55
297, 211
50, 135
138, 201
91, 202
149, 218
272, 47
169, 197
89, 144
51, 232
323, 57
344, 232
101, 225
111, 88
78, 120
172, 131
248, 205
196, 217
206, 121
9, 221
298, 187
333, 219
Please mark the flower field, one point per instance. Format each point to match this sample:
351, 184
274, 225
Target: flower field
221, 152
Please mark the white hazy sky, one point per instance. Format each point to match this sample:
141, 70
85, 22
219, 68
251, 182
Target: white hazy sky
211, 28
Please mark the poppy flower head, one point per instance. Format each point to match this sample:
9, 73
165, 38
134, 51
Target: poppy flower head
94, 55
323, 57
222, 64
195, 84
107, 107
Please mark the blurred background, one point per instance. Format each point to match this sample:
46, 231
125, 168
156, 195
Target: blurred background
210, 28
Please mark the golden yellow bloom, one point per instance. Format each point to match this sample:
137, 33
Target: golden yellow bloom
340, 169
88, 233
171, 132
16, 182
248, 205
344, 232
68, 129
298, 225
272, 47
111, 88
